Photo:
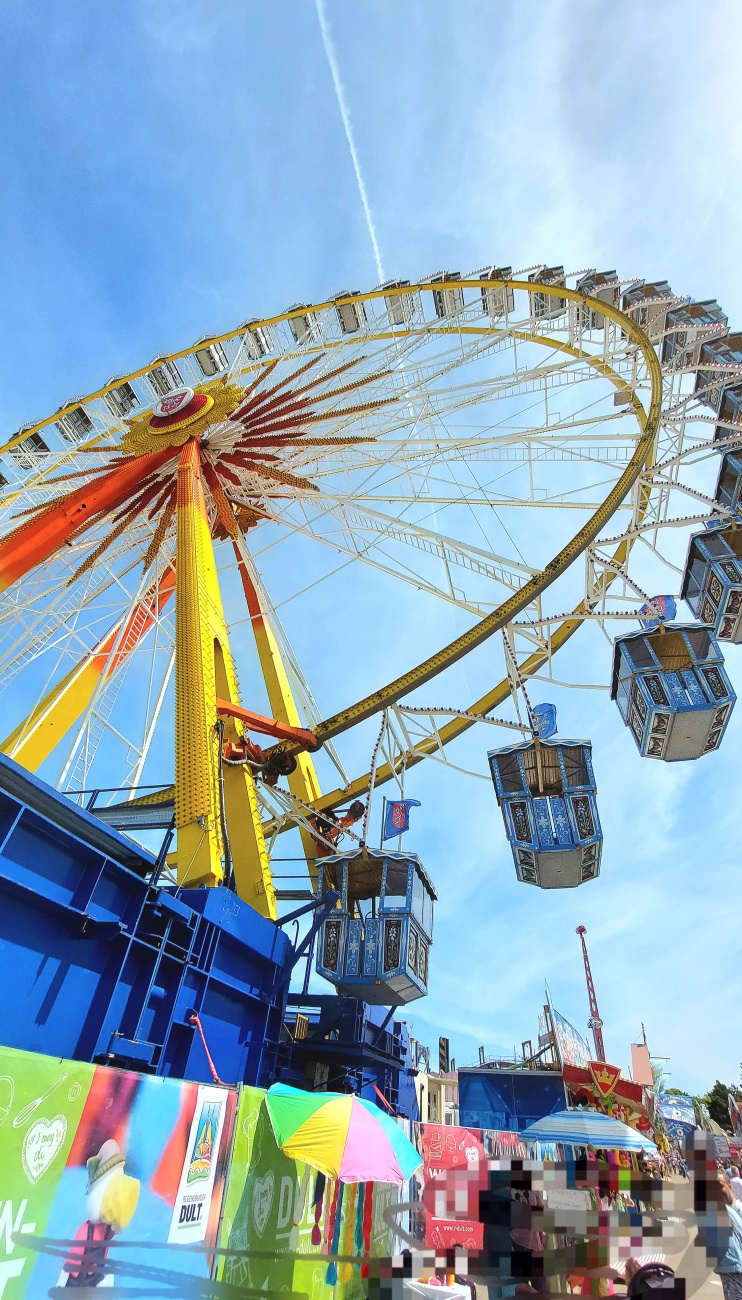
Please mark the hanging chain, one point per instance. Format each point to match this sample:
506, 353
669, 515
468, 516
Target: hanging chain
510, 656
372, 776
461, 713
619, 571
309, 809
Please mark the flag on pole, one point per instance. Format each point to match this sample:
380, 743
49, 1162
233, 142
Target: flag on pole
662, 607
397, 817
545, 720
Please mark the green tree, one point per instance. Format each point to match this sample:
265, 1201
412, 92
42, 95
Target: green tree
717, 1103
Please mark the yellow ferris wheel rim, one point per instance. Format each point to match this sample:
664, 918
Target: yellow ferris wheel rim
497, 619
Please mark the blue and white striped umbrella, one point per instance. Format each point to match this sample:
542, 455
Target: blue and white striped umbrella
587, 1128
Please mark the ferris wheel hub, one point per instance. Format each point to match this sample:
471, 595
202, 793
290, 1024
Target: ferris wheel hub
178, 409
174, 402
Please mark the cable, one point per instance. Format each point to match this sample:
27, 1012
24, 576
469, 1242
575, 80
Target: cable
228, 866
196, 1020
372, 778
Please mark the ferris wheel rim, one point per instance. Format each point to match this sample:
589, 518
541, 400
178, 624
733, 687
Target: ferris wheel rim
490, 623
630, 327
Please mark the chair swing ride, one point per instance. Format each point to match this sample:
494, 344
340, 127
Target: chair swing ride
457, 444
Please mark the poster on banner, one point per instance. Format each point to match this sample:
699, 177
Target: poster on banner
678, 1113
498, 1144
96, 1157
277, 1217
190, 1219
446, 1234
445, 1146
573, 1050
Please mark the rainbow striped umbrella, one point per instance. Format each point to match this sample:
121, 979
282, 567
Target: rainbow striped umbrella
343, 1136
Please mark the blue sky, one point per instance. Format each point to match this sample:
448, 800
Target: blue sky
170, 169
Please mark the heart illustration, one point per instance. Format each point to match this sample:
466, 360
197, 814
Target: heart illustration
43, 1141
262, 1200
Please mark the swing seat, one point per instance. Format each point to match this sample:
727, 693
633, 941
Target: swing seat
547, 795
374, 945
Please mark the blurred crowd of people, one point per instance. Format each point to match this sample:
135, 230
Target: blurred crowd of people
592, 1227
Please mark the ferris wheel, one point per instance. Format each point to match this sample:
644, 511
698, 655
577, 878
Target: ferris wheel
384, 514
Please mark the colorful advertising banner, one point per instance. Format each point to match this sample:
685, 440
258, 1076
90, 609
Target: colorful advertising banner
277, 1209
444, 1146
573, 1050
454, 1168
97, 1158
680, 1109
679, 1116
41, 1101
504, 1144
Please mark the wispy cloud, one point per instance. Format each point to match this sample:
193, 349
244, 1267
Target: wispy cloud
329, 47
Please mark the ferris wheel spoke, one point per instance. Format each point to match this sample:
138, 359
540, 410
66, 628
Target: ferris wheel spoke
506, 572
362, 553
461, 410
153, 708
95, 720
297, 680
354, 518
42, 617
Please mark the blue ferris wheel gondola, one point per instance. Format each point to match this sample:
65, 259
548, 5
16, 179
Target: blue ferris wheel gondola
375, 944
712, 580
672, 690
547, 794
729, 484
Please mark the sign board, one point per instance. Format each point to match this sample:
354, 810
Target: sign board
572, 1048
641, 1066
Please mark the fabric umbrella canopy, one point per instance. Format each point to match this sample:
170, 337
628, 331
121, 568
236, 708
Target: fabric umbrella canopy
587, 1128
343, 1136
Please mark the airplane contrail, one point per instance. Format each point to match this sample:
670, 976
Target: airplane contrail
345, 114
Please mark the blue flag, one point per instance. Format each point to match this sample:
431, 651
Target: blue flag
545, 720
666, 607
397, 817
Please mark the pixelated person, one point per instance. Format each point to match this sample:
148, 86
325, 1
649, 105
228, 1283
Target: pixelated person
511, 1261
729, 1267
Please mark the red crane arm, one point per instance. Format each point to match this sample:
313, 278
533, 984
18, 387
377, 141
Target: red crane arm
595, 1022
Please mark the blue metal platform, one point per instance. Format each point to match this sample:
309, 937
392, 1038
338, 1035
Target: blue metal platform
102, 966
